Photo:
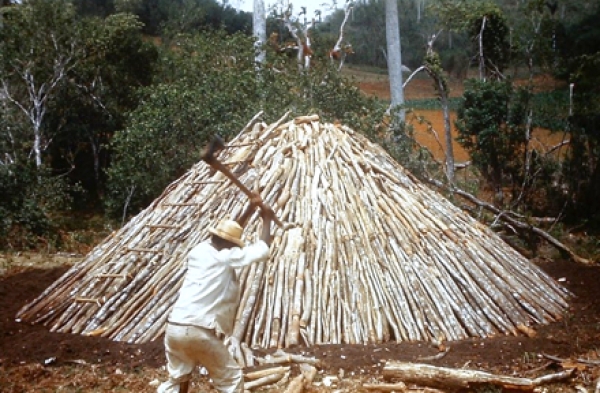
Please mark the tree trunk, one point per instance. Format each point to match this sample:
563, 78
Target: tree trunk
481, 56
259, 29
394, 58
37, 146
448, 134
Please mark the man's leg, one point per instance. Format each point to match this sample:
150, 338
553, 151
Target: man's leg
179, 364
226, 374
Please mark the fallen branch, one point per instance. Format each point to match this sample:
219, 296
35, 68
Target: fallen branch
578, 360
280, 357
514, 222
425, 374
436, 356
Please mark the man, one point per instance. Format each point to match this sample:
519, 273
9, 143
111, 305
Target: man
205, 310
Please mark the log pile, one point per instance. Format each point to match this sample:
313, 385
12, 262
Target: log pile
369, 254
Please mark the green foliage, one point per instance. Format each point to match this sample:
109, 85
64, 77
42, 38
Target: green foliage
433, 103
87, 111
455, 61
169, 17
491, 124
579, 62
28, 196
38, 47
34, 36
485, 24
582, 168
208, 86
495, 38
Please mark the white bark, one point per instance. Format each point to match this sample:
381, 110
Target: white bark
337, 48
481, 57
259, 30
447, 133
34, 105
394, 57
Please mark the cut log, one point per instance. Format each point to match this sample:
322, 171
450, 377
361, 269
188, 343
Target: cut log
296, 386
386, 387
281, 357
263, 381
443, 377
266, 372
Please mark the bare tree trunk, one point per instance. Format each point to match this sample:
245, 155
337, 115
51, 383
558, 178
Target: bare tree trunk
338, 52
448, 134
394, 51
259, 30
39, 93
481, 58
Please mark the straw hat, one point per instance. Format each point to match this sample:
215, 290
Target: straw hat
229, 230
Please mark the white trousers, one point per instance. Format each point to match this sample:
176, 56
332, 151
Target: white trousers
187, 348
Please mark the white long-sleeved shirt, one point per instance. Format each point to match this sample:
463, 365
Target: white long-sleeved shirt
210, 292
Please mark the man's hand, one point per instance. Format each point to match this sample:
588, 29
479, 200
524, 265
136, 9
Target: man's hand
256, 200
267, 217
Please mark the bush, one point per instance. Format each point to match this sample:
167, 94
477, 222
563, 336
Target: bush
27, 196
208, 86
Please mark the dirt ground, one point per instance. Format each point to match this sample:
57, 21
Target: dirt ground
32, 359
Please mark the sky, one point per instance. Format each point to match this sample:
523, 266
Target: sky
311, 5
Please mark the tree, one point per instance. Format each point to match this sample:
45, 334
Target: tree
259, 29
101, 92
342, 48
580, 60
208, 86
38, 47
491, 122
394, 60
487, 28
433, 66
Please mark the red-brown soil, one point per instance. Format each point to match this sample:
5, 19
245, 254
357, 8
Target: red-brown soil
78, 363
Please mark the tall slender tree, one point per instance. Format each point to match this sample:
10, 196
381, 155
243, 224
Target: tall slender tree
259, 29
394, 60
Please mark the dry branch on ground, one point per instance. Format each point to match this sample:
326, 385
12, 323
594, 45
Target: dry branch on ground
452, 378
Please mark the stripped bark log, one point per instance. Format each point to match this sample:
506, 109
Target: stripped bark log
266, 372
296, 386
386, 387
281, 357
266, 380
444, 377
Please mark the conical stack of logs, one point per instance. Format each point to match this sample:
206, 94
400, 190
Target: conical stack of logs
369, 254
